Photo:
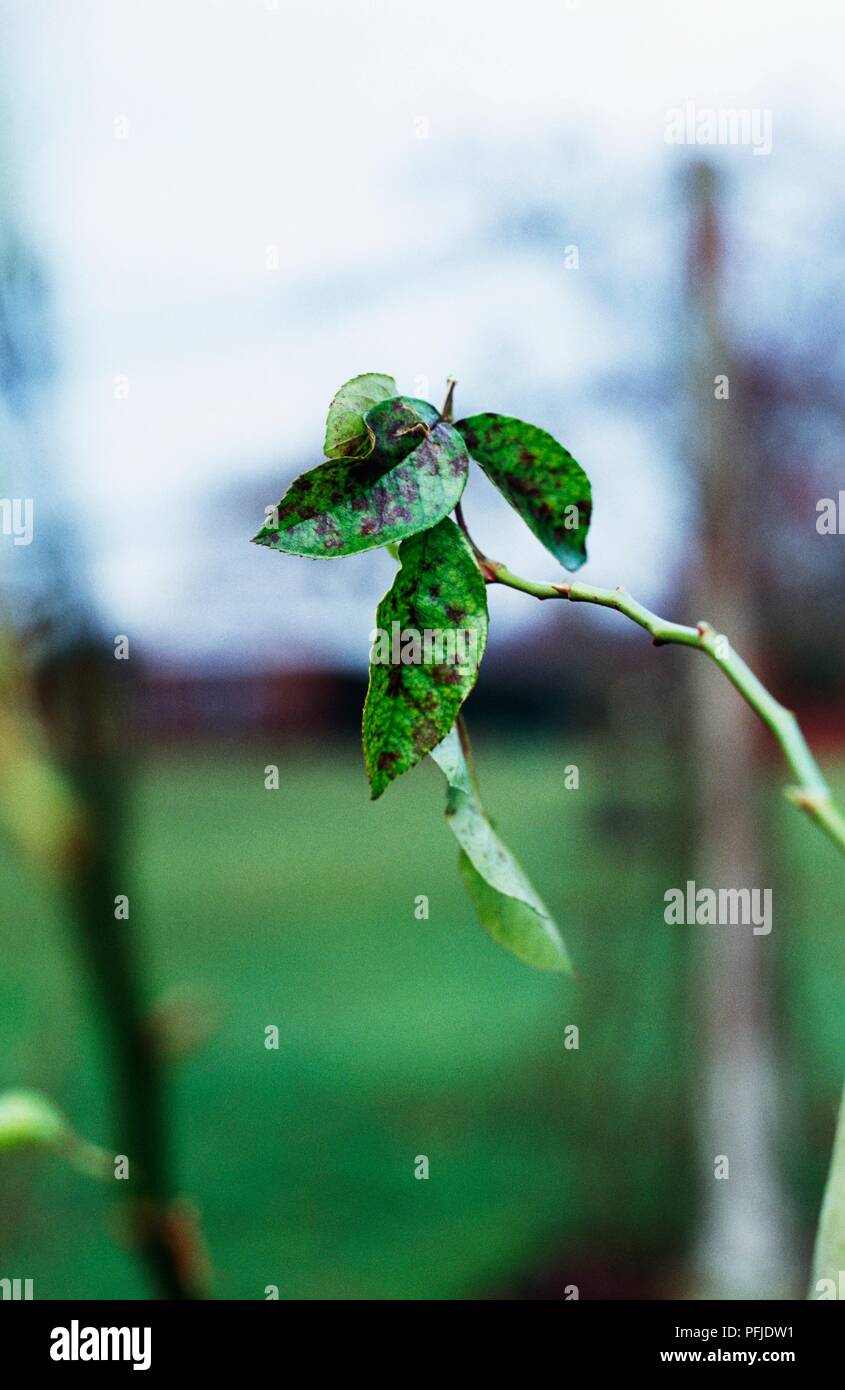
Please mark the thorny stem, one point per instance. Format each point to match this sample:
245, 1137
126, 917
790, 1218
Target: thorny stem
811, 792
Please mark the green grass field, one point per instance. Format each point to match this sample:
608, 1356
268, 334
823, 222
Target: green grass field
402, 1037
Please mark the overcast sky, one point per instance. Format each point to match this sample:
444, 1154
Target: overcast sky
242, 204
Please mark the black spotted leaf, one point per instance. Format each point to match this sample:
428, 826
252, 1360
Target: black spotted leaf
431, 631
398, 425
349, 505
505, 901
347, 435
539, 478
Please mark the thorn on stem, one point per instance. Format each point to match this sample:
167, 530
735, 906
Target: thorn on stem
804, 800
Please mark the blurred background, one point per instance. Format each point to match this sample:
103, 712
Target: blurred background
211, 215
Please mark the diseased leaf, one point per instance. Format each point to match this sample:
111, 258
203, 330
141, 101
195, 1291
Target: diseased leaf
435, 617
539, 478
350, 505
347, 435
507, 905
399, 425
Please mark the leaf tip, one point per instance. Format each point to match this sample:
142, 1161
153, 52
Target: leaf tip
377, 781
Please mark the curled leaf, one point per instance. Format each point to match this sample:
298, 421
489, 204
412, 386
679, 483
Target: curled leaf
539, 478
398, 426
431, 631
506, 903
347, 435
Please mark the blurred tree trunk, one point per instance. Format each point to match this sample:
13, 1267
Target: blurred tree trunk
743, 1244
69, 814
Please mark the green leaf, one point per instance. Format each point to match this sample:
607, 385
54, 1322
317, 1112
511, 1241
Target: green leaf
507, 905
539, 478
435, 616
347, 435
28, 1119
350, 505
399, 425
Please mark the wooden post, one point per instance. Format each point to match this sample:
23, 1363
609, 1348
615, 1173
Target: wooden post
743, 1245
